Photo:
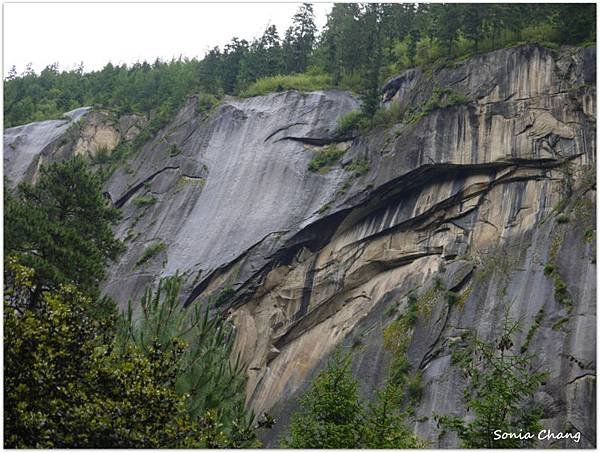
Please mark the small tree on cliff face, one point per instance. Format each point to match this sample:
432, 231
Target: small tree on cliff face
501, 384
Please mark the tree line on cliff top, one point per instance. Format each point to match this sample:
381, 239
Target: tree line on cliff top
359, 47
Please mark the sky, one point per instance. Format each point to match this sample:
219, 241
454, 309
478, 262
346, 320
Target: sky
96, 33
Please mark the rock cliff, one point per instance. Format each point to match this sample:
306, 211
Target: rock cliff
488, 180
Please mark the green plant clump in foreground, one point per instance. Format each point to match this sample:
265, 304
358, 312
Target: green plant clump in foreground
279, 83
325, 158
150, 252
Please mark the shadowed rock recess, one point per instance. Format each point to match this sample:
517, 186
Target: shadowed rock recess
476, 197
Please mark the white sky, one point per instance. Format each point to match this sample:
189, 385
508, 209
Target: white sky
96, 33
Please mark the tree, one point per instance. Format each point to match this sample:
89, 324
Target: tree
61, 227
203, 368
70, 383
385, 424
372, 26
331, 415
300, 39
501, 384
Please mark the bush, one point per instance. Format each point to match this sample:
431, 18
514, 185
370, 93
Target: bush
150, 252
350, 122
325, 158
276, 84
144, 200
358, 167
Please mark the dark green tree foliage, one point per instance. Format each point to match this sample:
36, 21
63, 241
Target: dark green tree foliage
71, 383
203, 370
385, 425
61, 227
332, 416
408, 34
501, 382
65, 388
300, 39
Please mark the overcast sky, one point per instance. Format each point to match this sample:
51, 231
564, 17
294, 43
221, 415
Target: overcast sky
96, 33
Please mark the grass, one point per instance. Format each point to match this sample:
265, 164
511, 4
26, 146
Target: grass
325, 158
358, 167
144, 200
150, 252
276, 84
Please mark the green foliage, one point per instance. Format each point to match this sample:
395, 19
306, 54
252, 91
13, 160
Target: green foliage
360, 45
325, 158
358, 167
440, 99
278, 83
500, 387
174, 150
70, 382
202, 347
224, 296
332, 416
65, 388
385, 425
150, 252
350, 122
562, 218
144, 200
61, 227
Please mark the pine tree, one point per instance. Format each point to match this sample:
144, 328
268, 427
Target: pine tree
501, 382
331, 415
61, 227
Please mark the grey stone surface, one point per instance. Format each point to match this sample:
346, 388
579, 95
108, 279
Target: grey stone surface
467, 196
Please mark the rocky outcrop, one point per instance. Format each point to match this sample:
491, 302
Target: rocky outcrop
486, 177
88, 132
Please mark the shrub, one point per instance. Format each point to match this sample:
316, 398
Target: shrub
150, 252
358, 167
325, 158
300, 82
144, 200
349, 122
563, 218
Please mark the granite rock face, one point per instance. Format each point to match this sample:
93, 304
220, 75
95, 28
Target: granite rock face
475, 194
84, 132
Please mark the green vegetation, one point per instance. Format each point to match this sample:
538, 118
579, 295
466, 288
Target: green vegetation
537, 322
325, 158
360, 47
61, 227
224, 296
441, 98
358, 167
77, 380
499, 392
144, 200
150, 252
332, 416
276, 84
174, 150
80, 375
